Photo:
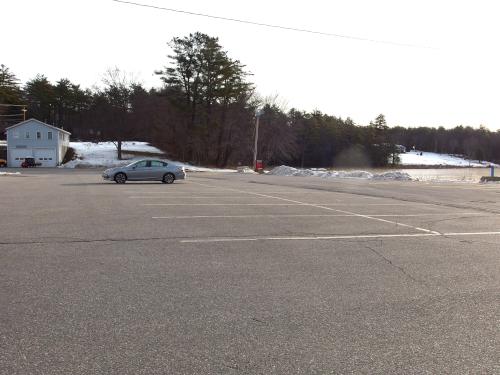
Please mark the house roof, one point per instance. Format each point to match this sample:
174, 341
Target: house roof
40, 122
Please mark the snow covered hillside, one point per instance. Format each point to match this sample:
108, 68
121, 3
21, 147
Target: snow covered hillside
104, 155
433, 159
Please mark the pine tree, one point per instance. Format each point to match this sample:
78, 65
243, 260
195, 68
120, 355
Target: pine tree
40, 95
10, 91
381, 149
209, 83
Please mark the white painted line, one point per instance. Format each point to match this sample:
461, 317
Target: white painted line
306, 238
222, 204
339, 237
474, 187
471, 234
292, 203
370, 217
215, 194
241, 216
333, 209
312, 215
186, 197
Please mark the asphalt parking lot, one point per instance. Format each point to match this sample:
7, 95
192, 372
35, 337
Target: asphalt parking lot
245, 274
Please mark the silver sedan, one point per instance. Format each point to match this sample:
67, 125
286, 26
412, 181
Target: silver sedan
146, 170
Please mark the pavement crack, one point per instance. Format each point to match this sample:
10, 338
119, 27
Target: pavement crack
399, 268
259, 321
232, 367
47, 242
455, 218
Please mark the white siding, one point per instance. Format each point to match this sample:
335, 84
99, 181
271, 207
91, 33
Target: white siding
32, 137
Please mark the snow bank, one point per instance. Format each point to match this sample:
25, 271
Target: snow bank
431, 159
246, 170
284, 170
10, 173
104, 155
392, 175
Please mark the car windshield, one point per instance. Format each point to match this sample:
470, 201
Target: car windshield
133, 163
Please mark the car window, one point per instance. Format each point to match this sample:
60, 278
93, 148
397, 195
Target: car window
158, 164
141, 164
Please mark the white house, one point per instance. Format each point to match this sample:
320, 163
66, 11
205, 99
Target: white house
35, 139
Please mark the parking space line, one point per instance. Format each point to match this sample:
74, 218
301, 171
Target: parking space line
451, 234
242, 216
292, 203
312, 215
475, 187
306, 238
333, 209
215, 193
335, 237
184, 196
223, 204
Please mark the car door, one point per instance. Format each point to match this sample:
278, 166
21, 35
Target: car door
138, 171
157, 169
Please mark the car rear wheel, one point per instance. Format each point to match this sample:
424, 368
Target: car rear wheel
120, 178
168, 178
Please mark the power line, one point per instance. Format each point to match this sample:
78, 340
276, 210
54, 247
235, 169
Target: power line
271, 25
13, 105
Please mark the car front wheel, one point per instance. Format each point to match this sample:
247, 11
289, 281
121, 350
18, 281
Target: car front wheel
120, 178
168, 178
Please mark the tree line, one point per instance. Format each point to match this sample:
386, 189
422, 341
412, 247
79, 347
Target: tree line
205, 113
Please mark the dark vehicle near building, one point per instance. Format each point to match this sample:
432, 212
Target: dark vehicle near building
30, 163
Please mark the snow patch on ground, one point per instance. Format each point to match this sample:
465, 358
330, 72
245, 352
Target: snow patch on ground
284, 170
10, 173
432, 159
104, 155
246, 170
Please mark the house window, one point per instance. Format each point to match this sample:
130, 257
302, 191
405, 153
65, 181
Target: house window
38, 135
27, 136
16, 135
49, 135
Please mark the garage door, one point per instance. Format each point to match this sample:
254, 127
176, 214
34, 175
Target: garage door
16, 156
45, 156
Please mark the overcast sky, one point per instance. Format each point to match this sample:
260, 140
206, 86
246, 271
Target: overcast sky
452, 79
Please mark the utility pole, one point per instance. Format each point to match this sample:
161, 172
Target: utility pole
257, 115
